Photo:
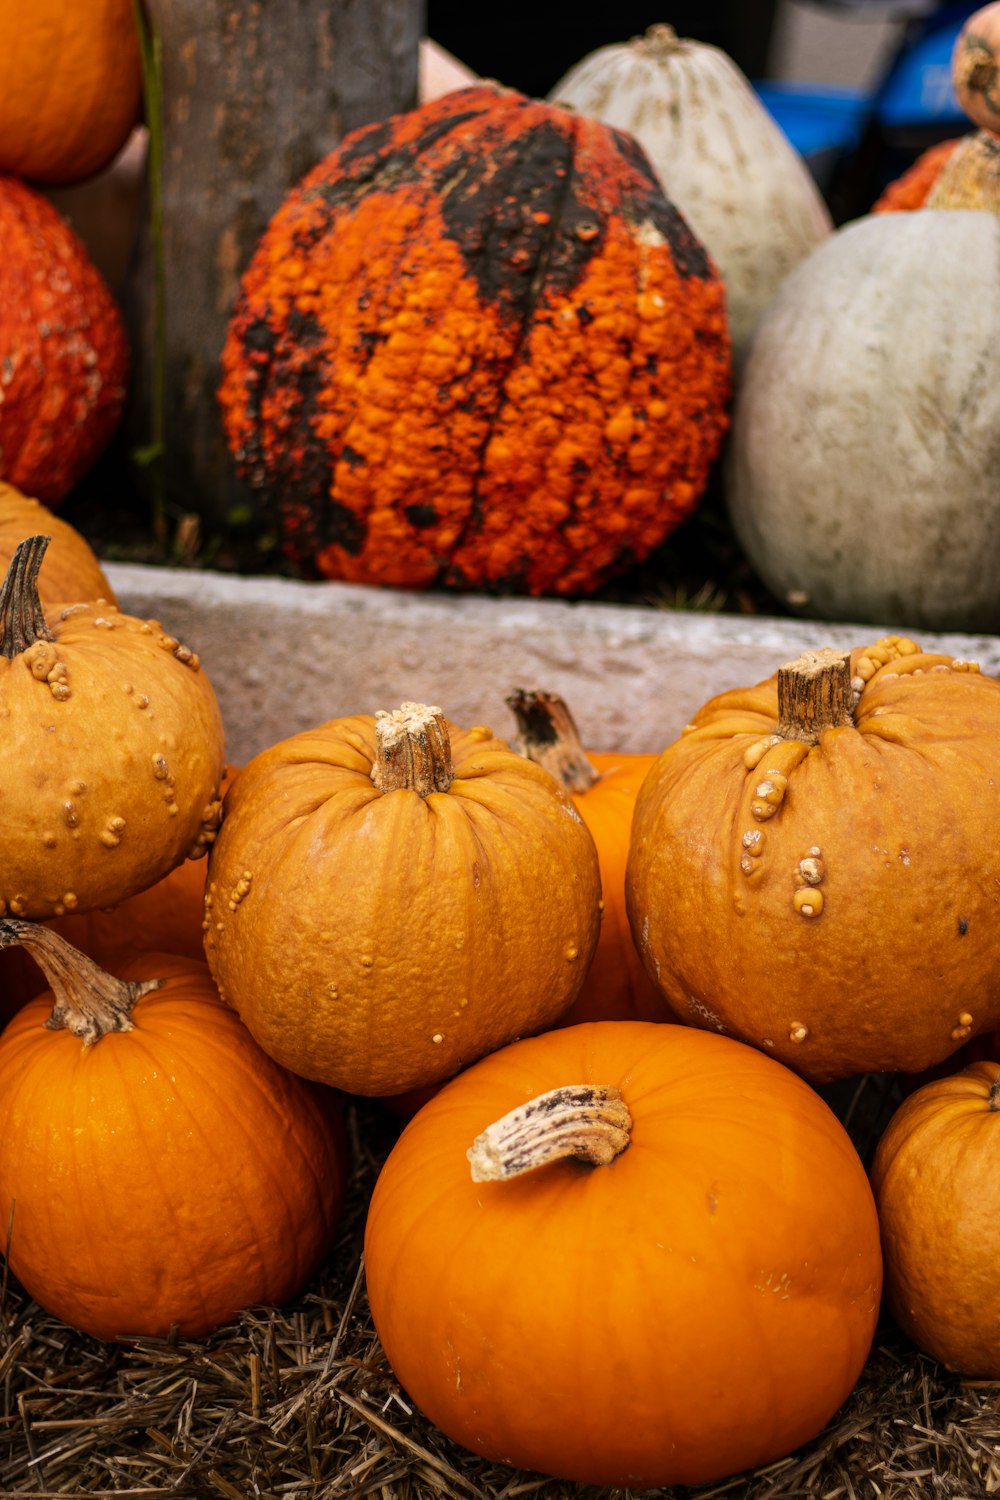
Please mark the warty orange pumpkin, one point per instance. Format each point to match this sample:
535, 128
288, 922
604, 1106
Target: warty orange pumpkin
70, 86
478, 347
937, 1189
219, 1176
112, 751
625, 1253
815, 861
64, 355
603, 785
391, 896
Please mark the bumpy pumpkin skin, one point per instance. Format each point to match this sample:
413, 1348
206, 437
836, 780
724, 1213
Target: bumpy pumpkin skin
63, 350
122, 738
701, 1305
381, 941
477, 347
938, 1194
70, 569
854, 928
70, 86
211, 1198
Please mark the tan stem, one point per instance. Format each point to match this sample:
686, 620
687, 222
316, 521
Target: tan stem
412, 750
993, 1099
22, 619
89, 1003
547, 734
581, 1122
660, 40
814, 694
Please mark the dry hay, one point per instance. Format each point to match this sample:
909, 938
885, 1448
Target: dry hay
301, 1403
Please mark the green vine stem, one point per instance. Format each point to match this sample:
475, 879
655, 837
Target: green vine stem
22, 619
151, 457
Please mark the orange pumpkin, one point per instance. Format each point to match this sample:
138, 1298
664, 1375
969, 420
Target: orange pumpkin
478, 347
683, 1280
391, 896
70, 570
814, 862
974, 69
937, 1190
911, 189
603, 786
70, 86
63, 349
219, 1176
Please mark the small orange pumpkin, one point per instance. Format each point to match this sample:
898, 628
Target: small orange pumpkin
661, 1267
70, 570
937, 1190
70, 86
391, 896
814, 861
603, 786
219, 1176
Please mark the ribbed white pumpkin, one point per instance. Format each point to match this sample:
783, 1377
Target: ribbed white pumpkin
863, 472
732, 172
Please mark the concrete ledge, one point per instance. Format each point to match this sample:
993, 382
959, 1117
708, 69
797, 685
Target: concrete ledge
284, 656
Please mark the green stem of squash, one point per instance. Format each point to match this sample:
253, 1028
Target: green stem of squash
412, 750
22, 619
88, 1002
547, 734
579, 1122
151, 457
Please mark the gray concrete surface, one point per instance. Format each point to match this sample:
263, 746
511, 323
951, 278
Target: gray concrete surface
285, 656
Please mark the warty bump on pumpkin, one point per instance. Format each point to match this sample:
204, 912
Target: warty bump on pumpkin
478, 347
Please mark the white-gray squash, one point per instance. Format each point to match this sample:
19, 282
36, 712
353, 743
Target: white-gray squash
863, 470
743, 188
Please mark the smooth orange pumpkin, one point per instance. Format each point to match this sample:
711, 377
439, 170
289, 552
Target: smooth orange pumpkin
695, 1295
70, 569
814, 861
391, 896
123, 735
937, 1187
214, 1179
70, 86
603, 786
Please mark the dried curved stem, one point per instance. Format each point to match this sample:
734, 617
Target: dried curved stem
581, 1122
89, 1002
22, 619
547, 734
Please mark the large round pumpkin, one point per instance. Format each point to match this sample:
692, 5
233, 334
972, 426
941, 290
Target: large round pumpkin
477, 346
869, 408
63, 350
937, 1186
111, 754
157, 1170
391, 896
815, 862
730, 169
70, 86
661, 1269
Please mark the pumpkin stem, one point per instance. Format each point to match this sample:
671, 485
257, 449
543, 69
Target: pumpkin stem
814, 694
581, 1122
974, 67
412, 750
548, 735
89, 1003
993, 1099
22, 619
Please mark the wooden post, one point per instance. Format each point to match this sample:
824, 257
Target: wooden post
255, 93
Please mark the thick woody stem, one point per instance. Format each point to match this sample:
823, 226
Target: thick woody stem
547, 734
412, 750
22, 619
89, 1003
814, 694
580, 1122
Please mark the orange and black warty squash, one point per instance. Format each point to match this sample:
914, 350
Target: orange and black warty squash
478, 347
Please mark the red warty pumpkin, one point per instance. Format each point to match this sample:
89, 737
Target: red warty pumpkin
63, 350
477, 346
